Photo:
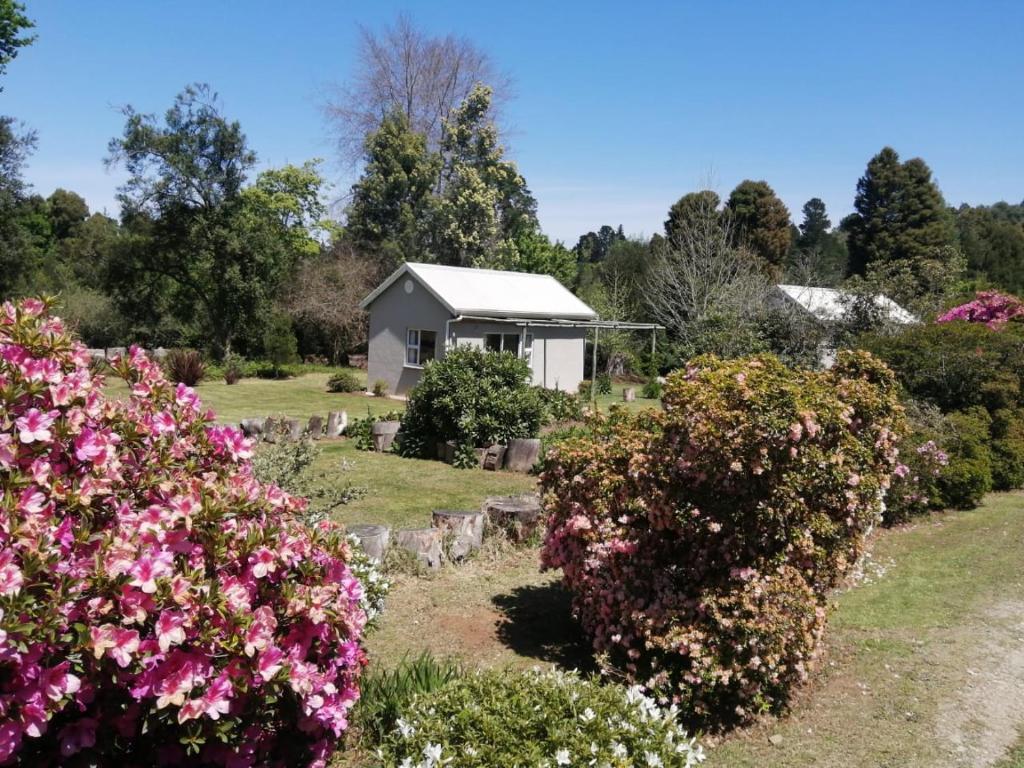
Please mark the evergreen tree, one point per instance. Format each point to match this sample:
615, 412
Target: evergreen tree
992, 240
760, 220
595, 246
688, 209
900, 213
391, 202
815, 225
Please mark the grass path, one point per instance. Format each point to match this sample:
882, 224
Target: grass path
924, 663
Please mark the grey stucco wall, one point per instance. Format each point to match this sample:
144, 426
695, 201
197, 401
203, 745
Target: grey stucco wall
391, 315
557, 352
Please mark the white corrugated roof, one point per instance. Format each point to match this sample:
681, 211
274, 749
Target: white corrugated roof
493, 293
829, 304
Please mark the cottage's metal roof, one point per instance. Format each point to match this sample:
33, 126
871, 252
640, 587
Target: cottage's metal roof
493, 293
831, 304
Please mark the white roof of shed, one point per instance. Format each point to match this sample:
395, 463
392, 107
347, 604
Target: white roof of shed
490, 292
828, 303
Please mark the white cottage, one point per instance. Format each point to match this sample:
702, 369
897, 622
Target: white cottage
421, 310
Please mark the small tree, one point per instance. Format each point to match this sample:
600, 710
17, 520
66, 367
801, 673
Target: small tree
279, 342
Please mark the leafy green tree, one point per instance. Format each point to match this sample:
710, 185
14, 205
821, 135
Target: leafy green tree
206, 248
13, 24
992, 241
391, 204
17, 258
760, 220
279, 344
900, 213
594, 246
68, 210
689, 210
536, 253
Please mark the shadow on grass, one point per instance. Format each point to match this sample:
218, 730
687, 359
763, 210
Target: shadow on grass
536, 622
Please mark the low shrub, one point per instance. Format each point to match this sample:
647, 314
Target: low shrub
380, 388
968, 477
344, 381
232, 372
585, 389
603, 383
560, 405
1007, 447
699, 543
510, 718
473, 398
185, 366
652, 389
359, 430
386, 693
156, 599
276, 372
915, 488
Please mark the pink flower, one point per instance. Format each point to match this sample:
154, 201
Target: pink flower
263, 561
116, 642
35, 425
57, 682
11, 578
170, 630
217, 699
270, 662
77, 736
148, 568
90, 445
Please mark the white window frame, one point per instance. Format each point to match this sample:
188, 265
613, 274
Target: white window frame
501, 344
416, 346
528, 348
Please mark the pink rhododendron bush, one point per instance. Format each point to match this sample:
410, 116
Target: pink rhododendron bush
700, 543
158, 605
992, 308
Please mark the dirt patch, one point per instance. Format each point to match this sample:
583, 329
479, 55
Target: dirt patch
980, 721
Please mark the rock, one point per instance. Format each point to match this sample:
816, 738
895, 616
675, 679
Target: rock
113, 352
383, 434
252, 427
337, 423
159, 353
775, 739
425, 543
315, 427
97, 355
292, 429
270, 429
374, 539
494, 457
522, 453
628, 395
519, 517
446, 452
463, 531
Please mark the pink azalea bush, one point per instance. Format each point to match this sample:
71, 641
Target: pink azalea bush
158, 605
700, 543
992, 308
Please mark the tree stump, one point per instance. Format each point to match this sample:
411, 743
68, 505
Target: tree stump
315, 427
519, 517
522, 453
383, 434
425, 543
292, 430
97, 355
628, 395
252, 427
494, 457
337, 423
373, 539
113, 352
446, 452
463, 531
270, 428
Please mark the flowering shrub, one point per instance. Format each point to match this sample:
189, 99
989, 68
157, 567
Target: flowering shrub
537, 719
992, 308
700, 543
157, 603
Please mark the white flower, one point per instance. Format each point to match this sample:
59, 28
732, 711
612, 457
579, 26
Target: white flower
405, 729
619, 750
470, 751
588, 715
653, 760
562, 757
431, 755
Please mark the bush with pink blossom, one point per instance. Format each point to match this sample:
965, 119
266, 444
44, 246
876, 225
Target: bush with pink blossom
700, 543
992, 308
158, 605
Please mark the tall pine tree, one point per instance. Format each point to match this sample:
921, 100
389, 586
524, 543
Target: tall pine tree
760, 220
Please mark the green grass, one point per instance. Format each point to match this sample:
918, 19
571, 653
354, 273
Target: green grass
300, 397
403, 492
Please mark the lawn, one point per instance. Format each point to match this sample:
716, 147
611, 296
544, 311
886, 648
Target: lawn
924, 661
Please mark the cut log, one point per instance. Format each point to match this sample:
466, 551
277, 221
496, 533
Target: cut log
315, 427
522, 453
519, 517
481, 455
383, 434
271, 427
373, 539
292, 430
463, 531
425, 543
252, 427
113, 352
628, 395
97, 355
337, 423
495, 457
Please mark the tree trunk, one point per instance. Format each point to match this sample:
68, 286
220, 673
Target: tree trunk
519, 517
463, 531
425, 543
374, 539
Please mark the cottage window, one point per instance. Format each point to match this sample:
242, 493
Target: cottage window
420, 346
502, 342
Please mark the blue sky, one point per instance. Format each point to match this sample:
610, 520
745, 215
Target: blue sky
619, 108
